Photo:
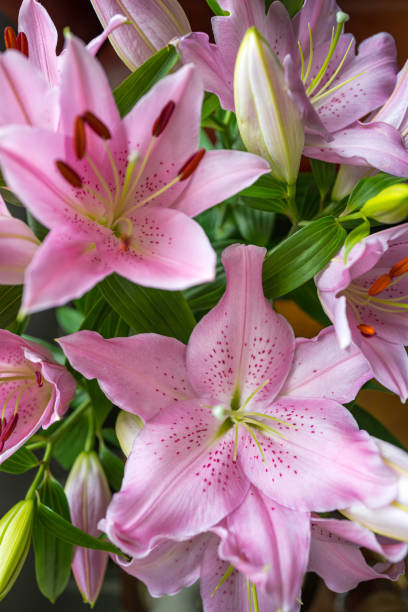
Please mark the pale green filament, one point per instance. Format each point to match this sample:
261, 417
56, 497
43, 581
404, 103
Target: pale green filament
249, 596
255, 439
309, 65
254, 393
255, 598
333, 76
223, 579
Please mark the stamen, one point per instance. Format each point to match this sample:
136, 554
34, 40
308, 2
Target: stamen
255, 439
161, 122
223, 579
379, 285
79, 138
309, 65
69, 174
235, 443
125, 243
255, 598
320, 95
22, 43
366, 330
9, 427
219, 412
39, 379
96, 125
254, 393
399, 268
10, 38
191, 165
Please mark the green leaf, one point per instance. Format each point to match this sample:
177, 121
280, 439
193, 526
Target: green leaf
324, 175
10, 301
211, 103
71, 443
355, 236
37, 228
255, 226
149, 310
143, 79
64, 530
21, 461
101, 405
204, 297
307, 196
216, 9
9, 197
371, 424
368, 188
373, 385
266, 194
298, 258
69, 319
53, 557
113, 467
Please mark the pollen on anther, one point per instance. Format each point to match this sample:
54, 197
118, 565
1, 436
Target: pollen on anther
366, 330
162, 120
191, 165
399, 268
10, 38
69, 174
125, 243
79, 138
39, 379
380, 284
97, 125
22, 43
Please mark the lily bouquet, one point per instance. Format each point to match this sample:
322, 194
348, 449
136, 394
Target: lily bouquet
202, 439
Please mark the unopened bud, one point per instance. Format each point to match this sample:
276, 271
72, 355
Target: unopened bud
15, 537
268, 119
389, 206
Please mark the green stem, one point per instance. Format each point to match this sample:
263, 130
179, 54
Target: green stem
35, 445
292, 208
68, 422
90, 439
38, 477
352, 217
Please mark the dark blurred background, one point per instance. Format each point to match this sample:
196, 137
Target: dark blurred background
121, 592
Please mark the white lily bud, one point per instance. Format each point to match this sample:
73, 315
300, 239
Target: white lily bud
391, 520
268, 119
151, 25
15, 538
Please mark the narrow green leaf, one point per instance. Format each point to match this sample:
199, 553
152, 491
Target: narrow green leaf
216, 9
143, 79
9, 197
113, 467
71, 443
371, 424
355, 236
324, 175
21, 461
10, 300
211, 103
255, 226
53, 557
368, 188
64, 530
298, 258
149, 310
69, 319
101, 405
38, 229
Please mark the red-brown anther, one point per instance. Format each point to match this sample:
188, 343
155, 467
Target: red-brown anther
10, 427
191, 165
69, 174
125, 243
162, 120
399, 268
10, 38
96, 125
380, 284
367, 330
39, 379
22, 43
79, 138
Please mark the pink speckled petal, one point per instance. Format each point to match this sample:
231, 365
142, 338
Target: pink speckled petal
42, 38
179, 481
321, 437
18, 246
321, 370
321, 16
232, 595
168, 250
336, 556
53, 276
242, 342
141, 374
171, 566
272, 551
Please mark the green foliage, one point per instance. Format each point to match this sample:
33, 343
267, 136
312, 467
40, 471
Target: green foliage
368, 188
139, 82
324, 174
36, 227
21, 461
113, 467
65, 531
355, 236
255, 226
149, 310
307, 299
53, 556
292, 6
68, 447
215, 7
10, 301
298, 258
266, 194
69, 319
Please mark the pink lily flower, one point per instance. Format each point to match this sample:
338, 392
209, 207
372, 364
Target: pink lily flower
88, 496
18, 246
35, 391
367, 300
391, 520
118, 195
151, 25
336, 556
241, 405
331, 85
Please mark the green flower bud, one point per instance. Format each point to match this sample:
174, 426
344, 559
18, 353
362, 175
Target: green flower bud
389, 206
15, 537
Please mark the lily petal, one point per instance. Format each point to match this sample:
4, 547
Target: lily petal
18, 246
141, 374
